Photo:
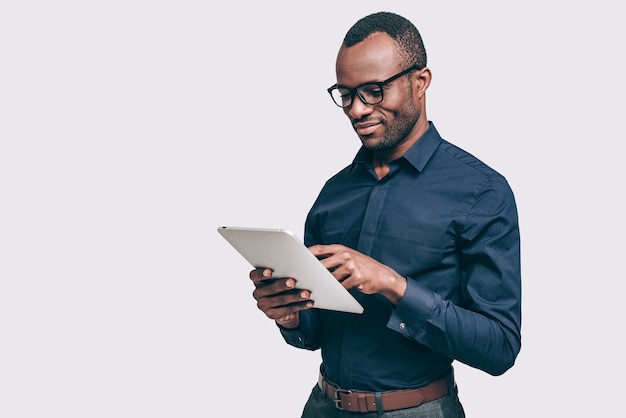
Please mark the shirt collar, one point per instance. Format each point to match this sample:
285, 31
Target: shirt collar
418, 155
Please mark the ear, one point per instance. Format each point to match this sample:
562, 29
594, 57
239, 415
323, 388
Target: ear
422, 80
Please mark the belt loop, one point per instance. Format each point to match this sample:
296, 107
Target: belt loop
452, 382
321, 382
362, 401
379, 403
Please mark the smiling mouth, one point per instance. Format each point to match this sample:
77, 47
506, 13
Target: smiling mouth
364, 129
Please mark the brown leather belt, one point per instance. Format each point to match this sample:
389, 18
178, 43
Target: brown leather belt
354, 401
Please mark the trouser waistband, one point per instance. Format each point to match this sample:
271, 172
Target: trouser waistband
356, 401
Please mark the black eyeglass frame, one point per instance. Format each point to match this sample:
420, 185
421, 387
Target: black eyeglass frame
354, 91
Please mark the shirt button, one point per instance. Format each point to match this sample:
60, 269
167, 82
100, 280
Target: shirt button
402, 325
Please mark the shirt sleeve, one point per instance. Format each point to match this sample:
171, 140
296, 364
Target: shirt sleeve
306, 336
483, 328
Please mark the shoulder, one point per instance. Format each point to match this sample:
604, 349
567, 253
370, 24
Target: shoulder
469, 177
466, 161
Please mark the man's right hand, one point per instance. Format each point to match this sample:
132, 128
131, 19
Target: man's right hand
279, 299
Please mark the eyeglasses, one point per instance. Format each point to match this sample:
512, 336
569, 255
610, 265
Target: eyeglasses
370, 93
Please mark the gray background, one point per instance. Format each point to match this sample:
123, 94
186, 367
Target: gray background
130, 130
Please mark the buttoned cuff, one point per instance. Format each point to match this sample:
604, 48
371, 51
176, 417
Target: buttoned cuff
416, 307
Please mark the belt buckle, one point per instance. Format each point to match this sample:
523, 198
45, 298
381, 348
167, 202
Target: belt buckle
337, 399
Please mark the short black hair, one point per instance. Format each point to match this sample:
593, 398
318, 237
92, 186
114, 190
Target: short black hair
400, 29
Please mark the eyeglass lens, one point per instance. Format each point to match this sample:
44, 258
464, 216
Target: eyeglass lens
368, 93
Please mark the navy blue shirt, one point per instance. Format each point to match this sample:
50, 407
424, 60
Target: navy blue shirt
448, 223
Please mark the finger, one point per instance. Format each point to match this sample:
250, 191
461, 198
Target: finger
278, 305
323, 251
259, 275
288, 312
332, 263
345, 278
273, 287
287, 318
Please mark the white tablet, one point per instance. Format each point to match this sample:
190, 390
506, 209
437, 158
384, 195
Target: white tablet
287, 256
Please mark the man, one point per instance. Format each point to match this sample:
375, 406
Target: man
423, 234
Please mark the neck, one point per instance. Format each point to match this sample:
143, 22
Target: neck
382, 158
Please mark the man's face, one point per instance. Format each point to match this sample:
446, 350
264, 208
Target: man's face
386, 125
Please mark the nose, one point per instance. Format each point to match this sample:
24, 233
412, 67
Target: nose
358, 109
